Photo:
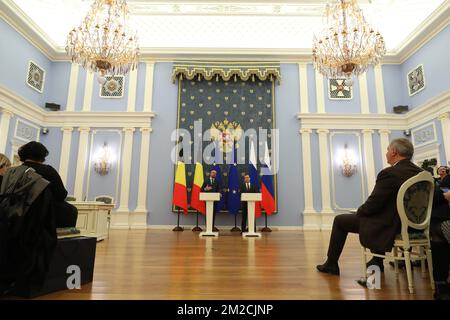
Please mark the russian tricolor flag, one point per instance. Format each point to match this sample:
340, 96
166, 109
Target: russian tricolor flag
254, 176
267, 192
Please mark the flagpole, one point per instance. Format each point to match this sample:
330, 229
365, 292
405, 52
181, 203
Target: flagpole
266, 228
235, 228
178, 228
197, 228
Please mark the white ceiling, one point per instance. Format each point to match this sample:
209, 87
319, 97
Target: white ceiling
286, 24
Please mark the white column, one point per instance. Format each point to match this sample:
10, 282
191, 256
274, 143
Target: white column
303, 80
73, 83
368, 159
132, 85
311, 219
4, 129
120, 218
81, 163
148, 86
88, 87
364, 94
384, 140
65, 153
445, 123
320, 98
325, 171
379, 87
139, 216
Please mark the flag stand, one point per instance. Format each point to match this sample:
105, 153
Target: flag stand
266, 228
178, 228
235, 228
197, 228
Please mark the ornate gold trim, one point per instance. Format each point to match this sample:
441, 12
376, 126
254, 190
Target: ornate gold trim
226, 71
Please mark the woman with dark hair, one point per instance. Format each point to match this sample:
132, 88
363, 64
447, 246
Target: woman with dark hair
4, 165
33, 155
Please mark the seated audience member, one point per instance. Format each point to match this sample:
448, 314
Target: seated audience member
440, 247
377, 220
441, 210
4, 165
33, 155
443, 173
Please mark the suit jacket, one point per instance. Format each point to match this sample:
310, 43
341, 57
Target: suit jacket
441, 208
50, 174
379, 220
243, 188
216, 187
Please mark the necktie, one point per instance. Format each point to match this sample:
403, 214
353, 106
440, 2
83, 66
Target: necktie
212, 181
248, 186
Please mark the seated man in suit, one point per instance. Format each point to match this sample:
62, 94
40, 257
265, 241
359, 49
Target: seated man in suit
377, 220
211, 184
443, 174
246, 187
33, 155
5, 164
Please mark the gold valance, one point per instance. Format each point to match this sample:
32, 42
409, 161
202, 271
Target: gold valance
227, 71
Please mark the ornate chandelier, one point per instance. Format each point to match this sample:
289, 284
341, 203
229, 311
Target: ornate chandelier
103, 42
348, 44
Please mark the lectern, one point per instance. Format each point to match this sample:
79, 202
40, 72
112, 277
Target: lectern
209, 197
251, 198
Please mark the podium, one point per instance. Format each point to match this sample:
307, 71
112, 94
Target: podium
209, 197
251, 198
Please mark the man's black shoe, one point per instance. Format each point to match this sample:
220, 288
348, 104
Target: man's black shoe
328, 268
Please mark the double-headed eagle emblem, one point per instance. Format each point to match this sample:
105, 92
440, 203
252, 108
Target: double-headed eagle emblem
225, 132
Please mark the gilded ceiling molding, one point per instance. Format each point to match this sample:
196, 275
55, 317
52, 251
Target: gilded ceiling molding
227, 71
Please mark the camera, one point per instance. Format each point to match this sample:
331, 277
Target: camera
429, 163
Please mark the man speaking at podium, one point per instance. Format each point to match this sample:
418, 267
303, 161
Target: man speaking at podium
246, 187
212, 185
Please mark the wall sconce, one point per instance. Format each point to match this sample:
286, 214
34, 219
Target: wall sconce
103, 160
348, 162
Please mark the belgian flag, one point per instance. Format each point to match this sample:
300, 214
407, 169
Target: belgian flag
179, 190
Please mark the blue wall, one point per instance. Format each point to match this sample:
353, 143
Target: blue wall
53, 140
57, 82
15, 54
161, 173
394, 91
434, 56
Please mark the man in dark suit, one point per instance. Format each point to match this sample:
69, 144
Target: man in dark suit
246, 187
211, 184
377, 220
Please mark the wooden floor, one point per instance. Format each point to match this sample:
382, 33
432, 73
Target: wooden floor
157, 264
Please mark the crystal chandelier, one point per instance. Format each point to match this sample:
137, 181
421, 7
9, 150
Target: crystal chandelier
103, 43
348, 44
